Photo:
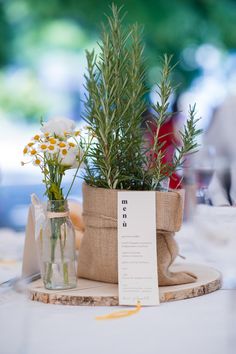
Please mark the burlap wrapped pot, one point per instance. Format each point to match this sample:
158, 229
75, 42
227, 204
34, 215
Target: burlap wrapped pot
98, 251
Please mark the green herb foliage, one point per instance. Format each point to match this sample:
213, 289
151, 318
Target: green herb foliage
118, 157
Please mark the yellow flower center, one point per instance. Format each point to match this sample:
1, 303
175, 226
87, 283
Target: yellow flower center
43, 146
64, 152
77, 133
33, 152
46, 134
51, 147
62, 145
30, 144
36, 137
52, 141
72, 144
37, 162
25, 150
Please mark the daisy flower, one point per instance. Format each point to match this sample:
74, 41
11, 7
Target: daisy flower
58, 126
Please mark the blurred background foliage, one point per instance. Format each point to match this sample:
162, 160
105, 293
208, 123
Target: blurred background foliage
36, 35
42, 66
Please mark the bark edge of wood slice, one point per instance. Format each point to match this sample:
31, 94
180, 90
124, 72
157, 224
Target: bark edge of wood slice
93, 293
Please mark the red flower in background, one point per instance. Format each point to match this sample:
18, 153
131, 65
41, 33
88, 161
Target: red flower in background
168, 135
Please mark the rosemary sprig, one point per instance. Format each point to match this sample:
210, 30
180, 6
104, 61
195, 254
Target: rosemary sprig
114, 106
158, 169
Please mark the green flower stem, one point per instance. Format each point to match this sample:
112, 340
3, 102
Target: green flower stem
56, 235
77, 170
65, 265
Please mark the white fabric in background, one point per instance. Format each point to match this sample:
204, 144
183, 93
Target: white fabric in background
11, 250
211, 239
222, 135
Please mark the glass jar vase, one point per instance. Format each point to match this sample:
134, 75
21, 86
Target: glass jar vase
58, 248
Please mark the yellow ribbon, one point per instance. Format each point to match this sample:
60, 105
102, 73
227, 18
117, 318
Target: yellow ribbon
120, 314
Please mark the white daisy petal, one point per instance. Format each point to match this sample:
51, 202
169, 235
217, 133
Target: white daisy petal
69, 159
58, 126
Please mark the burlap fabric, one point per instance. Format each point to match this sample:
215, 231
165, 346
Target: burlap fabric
98, 251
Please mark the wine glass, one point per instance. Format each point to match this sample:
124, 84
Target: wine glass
204, 168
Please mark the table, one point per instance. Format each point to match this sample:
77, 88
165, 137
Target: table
205, 324
202, 325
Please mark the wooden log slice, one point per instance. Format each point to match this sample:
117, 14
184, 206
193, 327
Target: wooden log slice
93, 293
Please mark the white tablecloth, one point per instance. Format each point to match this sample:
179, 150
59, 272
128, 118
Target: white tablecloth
201, 325
205, 324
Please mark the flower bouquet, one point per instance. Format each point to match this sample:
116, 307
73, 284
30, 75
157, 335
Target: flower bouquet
58, 148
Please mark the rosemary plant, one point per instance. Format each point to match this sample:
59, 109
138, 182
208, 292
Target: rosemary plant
114, 106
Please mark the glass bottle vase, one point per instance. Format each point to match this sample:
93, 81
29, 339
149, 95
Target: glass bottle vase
58, 248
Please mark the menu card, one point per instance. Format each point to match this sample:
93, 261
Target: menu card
137, 255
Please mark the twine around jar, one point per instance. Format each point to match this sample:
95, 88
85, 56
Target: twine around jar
54, 214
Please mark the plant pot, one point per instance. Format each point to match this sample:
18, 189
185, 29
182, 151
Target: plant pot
98, 254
